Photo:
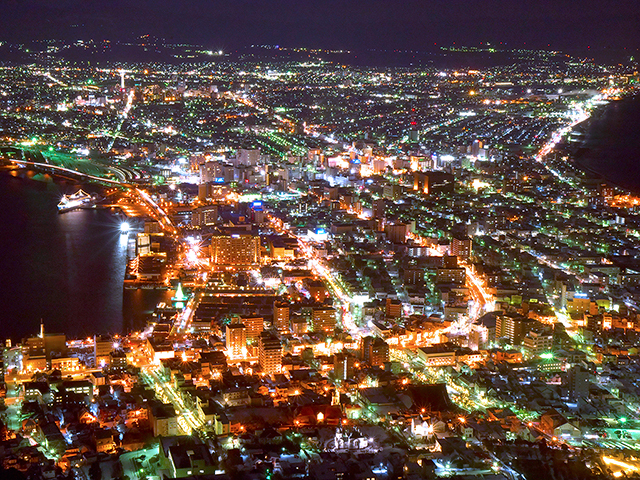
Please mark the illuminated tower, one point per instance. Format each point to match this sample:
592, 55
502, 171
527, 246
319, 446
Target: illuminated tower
414, 132
122, 79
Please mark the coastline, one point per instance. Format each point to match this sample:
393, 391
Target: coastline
591, 157
66, 269
74, 277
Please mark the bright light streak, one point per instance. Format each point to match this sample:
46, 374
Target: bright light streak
618, 463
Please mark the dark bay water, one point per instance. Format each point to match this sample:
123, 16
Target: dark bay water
67, 269
610, 144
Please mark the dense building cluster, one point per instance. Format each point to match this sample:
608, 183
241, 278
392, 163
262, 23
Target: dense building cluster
375, 273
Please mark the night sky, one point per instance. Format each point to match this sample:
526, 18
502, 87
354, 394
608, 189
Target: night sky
379, 24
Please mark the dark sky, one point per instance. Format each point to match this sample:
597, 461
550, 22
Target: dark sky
387, 24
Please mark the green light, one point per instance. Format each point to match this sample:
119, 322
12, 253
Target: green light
547, 356
622, 419
180, 296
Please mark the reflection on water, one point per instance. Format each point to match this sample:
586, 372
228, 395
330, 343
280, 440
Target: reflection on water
67, 269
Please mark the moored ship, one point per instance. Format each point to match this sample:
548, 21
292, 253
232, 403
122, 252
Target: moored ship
80, 199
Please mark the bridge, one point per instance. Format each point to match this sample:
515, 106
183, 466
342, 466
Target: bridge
64, 171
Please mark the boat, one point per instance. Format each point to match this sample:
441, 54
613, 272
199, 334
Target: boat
80, 199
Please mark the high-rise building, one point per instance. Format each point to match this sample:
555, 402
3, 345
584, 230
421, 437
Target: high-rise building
475, 148
378, 207
449, 261
374, 351
513, 328
117, 361
364, 348
578, 382
432, 182
299, 325
456, 276
236, 338
235, 251
536, 343
461, 247
205, 215
254, 326
324, 319
392, 192
33, 347
249, 157
317, 289
396, 233
413, 275
281, 312
203, 192
216, 173
343, 366
38, 351
269, 353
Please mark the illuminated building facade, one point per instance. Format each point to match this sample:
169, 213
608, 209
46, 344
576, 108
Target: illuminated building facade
206, 215
431, 182
281, 312
343, 366
513, 328
254, 326
236, 338
393, 308
456, 276
461, 247
374, 351
270, 353
102, 347
323, 319
235, 251
38, 351
397, 233
535, 343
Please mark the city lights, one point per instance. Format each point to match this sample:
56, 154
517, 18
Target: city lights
318, 253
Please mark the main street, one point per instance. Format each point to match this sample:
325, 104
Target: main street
188, 418
349, 313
